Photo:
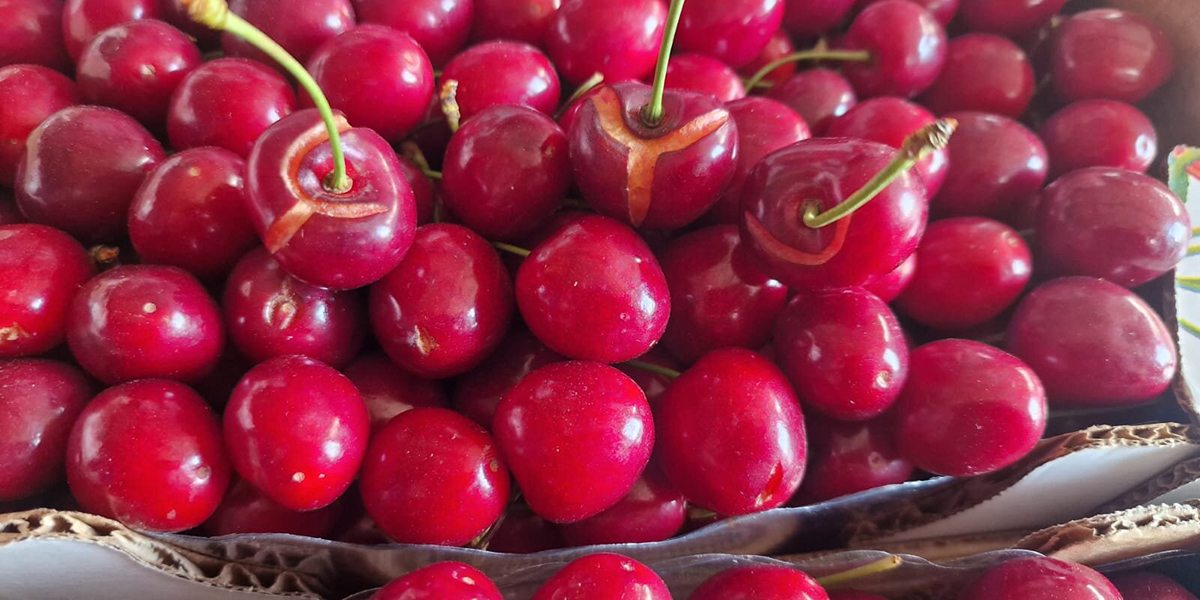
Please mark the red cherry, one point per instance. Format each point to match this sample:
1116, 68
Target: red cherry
1099, 133
75, 178
604, 576
654, 384
847, 458
778, 46
763, 126
478, 392
733, 31
853, 595
190, 213
39, 401
422, 188
700, 73
968, 409
814, 18
300, 32
651, 512
389, 390
1008, 17
378, 76
32, 34
995, 163
1147, 585
247, 510
1093, 343
41, 268
523, 532
519, 20
619, 39
29, 94
175, 13
888, 287
571, 420
229, 103
142, 321
83, 20
942, 10
818, 95
441, 27
594, 291
1108, 53
755, 582
503, 73
1040, 579
907, 47
983, 72
890, 121
444, 581
270, 313
149, 454
297, 430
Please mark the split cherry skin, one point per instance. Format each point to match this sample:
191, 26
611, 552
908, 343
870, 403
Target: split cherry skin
444, 581
228, 102
41, 269
39, 401
604, 575
29, 94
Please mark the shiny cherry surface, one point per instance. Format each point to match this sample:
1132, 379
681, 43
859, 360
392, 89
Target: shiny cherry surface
422, 188
175, 13
701, 73
813, 18
888, 287
523, 532
1099, 133
228, 103
732, 31
818, 95
29, 94
443, 581
995, 163
519, 20
756, 582
39, 402
41, 269
653, 384
1041, 579
942, 10
890, 121
389, 390
618, 39
651, 512
847, 458
83, 20
907, 46
477, 393
983, 72
604, 575
763, 126
1008, 17
778, 46
1147, 585
441, 27
247, 510
300, 32
1109, 53
503, 73
32, 34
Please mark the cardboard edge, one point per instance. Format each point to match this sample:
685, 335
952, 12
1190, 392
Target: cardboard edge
1121, 535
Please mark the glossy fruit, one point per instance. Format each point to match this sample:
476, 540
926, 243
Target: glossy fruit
1007, 17
503, 73
1099, 133
28, 95
763, 126
477, 393
700, 73
523, 532
942, 10
1040, 579
907, 46
389, 390
604, 576
890, 121
818, 95
1108, 53
519, 20
422, 188
228, 103
83, 20
651, 512
618, 39
32, 34
888, 287
778, 46
39, 401
1147, 585
813, 18
995, 163
41, 269
755, 582
441, 27
247, 510
985, 73
848, 458
300, 32
733, 32
444, 581
149, 454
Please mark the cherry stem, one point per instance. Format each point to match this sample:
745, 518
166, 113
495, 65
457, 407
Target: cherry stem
590, 83
511, 249
412, 153
932, 137
215, 14
879, 566
449, 102
653, 368
652, 113
814, 54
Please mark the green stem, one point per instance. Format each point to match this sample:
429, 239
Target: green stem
590, 83
838, 55
652, 113
511, 249
653, 368
879, 566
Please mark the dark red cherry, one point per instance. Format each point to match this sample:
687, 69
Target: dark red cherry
818, 95
969, 270
1040, 579
32, 33
757, 582
523, 532
446, 306
477, 393
1122, 226
847, 458
1093, 343
1147, 585
814, 18
444, 581
763, 126
1109, 53
907, 47
297, 430
9, 214
570, 422
503, 73
844, 352
700, 73
83, 20
985, 73
778, 46
1099, 133
176, 13
618, 39
378, 76
300, 32
1008, 17
191, 213
270, 313
967, 408
29, 95
463, 483
389, 390
651, 512
247, 510
604, 576
229, 103
518, 20
76, 178
39, 401
890, 121
338, 240
441, 27
995, 163
594, 291
720, 298
853, 595
942, 10
422, 188
888, 286
732, 31
506, 172
135, 67
41, 268
149, 454
653, 383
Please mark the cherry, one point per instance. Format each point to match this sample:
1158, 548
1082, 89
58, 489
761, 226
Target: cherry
478, 392
83, 20
721, 298
594, 291
135, 67
518, 20
813, 18
995, 163
506, 172
75, 178
1147, 585
41, 268
247, 510
606, 445
389, 390
297, 430
983, 72
760, 582
700, 73
149, 454
444, 581
1099, 133
778, 46
523, 532
176, 13
299, 32
1039, 578
1007, 17
9, 214
604, 576
735, 32
1125, 227
619, 39
228, 102
653, 382
848, 458
39, 401
376, 75
32, 34
907, 47
651, 512
502, 73
763, 126
890, 121
887, 287
441, 27
1093, 343
28, 94
1108, 53
853, 595
818, 95
190, 213
843, 351
422, 188
942, 10
270, 313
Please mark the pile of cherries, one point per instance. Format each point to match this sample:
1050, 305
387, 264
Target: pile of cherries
356, 269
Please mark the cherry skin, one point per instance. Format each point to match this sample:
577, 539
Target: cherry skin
763, 126
445, 581
1008, 18
818, 95
378, 76
389, 390
270, 313
843, 351
175, 13
1147, 585
1099, 133
28, 95
618, 39
995, 163
888, 287
653, 384
300, 32
228, 103
700, 73
503, 73
778, 46
506, 172
985, 73
523, 532
32, 34
594, 291
83, 20
247, 510
75, 178
847, 458
447, 305
1108, 53
651, 512
297, 430
41, 269
1122, 226
518, 20
942, 10
732, 32
814, 18
441, 27
890, 121
853, 595
190, 213
422, 188
477, 393
604, 576
1040, 579
907, 46
149, 454
755, 582
570, 473
9, 214
1093, 343
39, 401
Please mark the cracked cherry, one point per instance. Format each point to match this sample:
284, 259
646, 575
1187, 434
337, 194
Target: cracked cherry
907, 47
967, 409
247, 510
441, 27
149, 454
651, 512
518, 20
1148, 585
300, 32
1008, 17
814, 18
985, 73
83, 20
734, 32
819, 96
32, 34
995, 163
478, 392
763, 126
41, 269
608, 439
847, 458
444, 581
604, 575
503, 73
618, 39
887, 287
700, 73
39, 402
297, 430
653, 384
1108, 53
389, 390
229, 103
778, 46
755, 582
1099, 133
1040, 579
29, 95
942, 10
890, 121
